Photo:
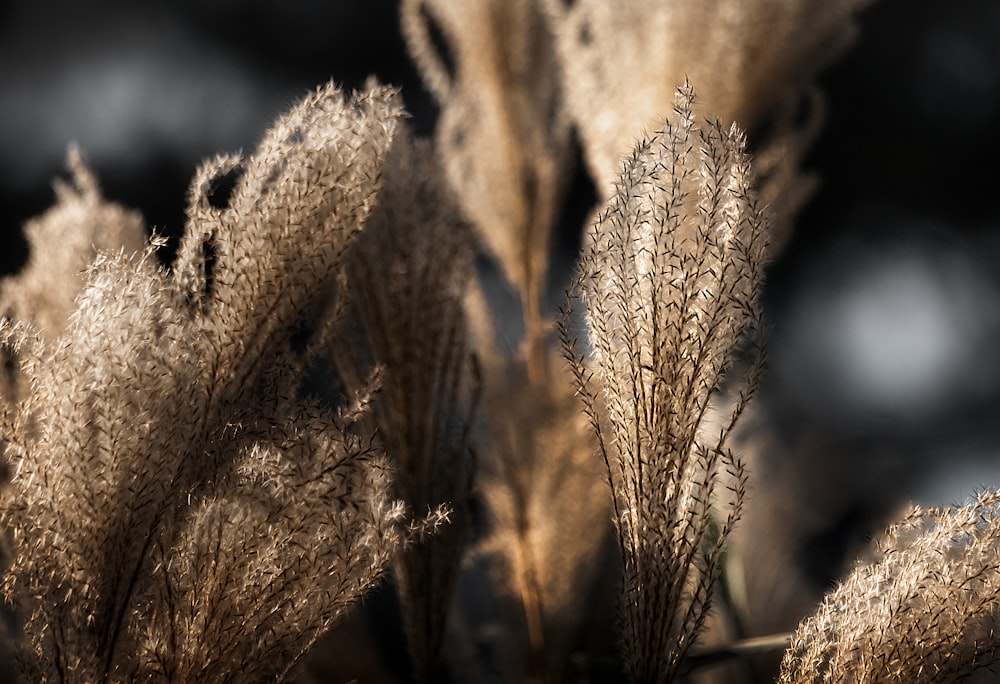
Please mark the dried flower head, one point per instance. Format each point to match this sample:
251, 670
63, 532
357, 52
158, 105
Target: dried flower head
549, 508
925, 610
62, 243
669, 281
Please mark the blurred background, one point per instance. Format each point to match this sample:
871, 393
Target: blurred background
884, 310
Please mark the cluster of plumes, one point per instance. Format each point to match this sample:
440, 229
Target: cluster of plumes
178, 511
511, 79
751, 62
669, 280
407, 275
925, 610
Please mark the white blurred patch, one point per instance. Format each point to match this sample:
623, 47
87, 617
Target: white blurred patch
128, 94
898, 336
895, 334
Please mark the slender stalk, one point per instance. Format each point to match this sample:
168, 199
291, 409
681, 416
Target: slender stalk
734, 650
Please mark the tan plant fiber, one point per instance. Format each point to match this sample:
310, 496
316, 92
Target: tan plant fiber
925, 610
751, 60
549, 508
669, 282
503, 133
504, 138
407, 276
178, 513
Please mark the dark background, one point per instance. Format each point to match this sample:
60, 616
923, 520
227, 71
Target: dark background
884, 309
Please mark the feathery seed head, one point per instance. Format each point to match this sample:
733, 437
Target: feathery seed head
178, 512
752, 61
669, 280
503, 134
925, 610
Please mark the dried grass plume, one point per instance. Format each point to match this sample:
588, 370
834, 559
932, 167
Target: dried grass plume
752, 61
503, 132
407, 277
925, 610
178, 512
669, 283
